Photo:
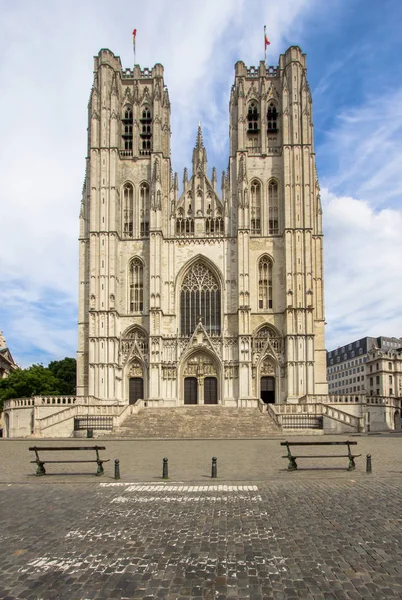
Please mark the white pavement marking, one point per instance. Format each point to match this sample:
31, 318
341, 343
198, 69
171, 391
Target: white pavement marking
169, 499
180, 487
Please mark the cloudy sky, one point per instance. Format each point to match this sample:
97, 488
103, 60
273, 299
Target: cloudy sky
354, 50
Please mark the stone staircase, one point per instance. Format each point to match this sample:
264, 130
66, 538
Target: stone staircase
197, 422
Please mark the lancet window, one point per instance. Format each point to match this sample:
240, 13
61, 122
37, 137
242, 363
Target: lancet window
214, 226
272, 118
265, 283
127, 130
144, 210
128, 194
252, 118
136, 286
255, 201
184, 225
273, 208
200, 300
146, 131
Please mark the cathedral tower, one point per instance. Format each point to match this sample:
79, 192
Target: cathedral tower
205, 297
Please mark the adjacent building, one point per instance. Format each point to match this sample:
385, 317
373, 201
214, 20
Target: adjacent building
369, 366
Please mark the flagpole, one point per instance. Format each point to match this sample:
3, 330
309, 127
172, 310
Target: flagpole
134, 38
265, 44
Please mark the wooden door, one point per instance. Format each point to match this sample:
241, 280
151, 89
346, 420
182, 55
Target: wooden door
268, 390
190, 390
210, 390
135, 389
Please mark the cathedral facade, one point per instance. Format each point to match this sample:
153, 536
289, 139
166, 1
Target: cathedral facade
213, 295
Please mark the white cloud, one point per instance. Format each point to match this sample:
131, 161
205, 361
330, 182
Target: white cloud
364, 150
363, 278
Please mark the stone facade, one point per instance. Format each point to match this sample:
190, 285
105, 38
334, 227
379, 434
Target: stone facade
202, 296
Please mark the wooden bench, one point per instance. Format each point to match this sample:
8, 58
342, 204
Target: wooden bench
292, 457
40, 462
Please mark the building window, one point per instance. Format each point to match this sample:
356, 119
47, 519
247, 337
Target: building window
136, 286
146, 132
127, 131
200, 299
265, 283
128, 194
390, 366
144, 210
273, 208
272, 118
252, 118
214, 226
255, 190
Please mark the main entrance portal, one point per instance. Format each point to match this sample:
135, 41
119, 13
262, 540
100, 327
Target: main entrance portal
200, 380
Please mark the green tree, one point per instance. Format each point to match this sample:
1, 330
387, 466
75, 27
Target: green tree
66, 372
34, 381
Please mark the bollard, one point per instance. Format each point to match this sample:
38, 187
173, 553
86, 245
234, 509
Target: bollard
165, 474
117, 469
214, 472
368, 463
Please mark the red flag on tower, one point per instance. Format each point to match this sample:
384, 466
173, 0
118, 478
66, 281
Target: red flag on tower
134, 36
266, 43
266, 40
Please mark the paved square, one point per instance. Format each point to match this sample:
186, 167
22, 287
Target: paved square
313, 534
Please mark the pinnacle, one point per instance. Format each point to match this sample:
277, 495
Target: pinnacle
199, 141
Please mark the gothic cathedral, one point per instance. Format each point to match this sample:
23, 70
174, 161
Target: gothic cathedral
213, 295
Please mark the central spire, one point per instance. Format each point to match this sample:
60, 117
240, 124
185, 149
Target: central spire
199, 153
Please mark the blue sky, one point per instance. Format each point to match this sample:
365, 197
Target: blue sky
354, 50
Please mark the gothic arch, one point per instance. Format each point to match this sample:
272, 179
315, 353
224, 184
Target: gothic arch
200, 363
127, 196
256, 192
262, 334
135, 284
273, 202
199, 293
186, 268
133, 336
265, 282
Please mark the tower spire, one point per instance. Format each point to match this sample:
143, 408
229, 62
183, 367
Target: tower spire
199, 153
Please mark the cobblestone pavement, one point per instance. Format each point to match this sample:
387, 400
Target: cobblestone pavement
256, 532
238, 460
314, 539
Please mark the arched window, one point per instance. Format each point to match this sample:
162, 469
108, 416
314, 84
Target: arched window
144, 210
252, 118
265, 283
128, 194
146, 131
200, 298
255, 197
273, 225
127, 130
272, 117
136, 286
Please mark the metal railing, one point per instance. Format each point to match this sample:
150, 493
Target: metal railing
297, 421
93, 422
